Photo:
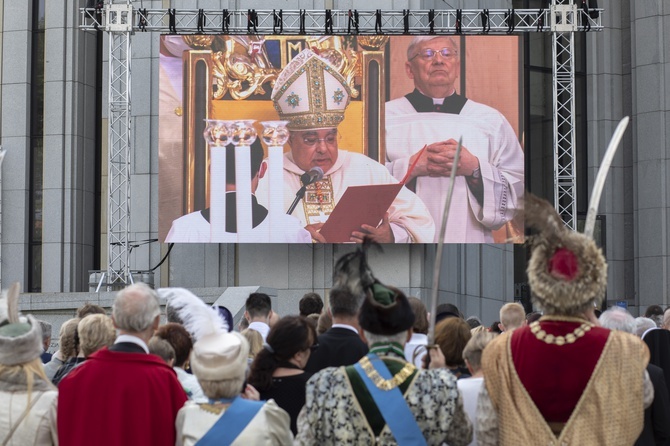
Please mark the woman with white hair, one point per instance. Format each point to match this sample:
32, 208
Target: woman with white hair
27, 397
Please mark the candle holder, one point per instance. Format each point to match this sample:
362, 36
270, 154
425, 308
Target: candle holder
275, 135
243, 134
218, 135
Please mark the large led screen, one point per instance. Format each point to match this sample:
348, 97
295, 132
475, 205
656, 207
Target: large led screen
308, 139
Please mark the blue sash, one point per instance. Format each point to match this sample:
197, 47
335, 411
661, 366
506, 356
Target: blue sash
233, 421
392, 406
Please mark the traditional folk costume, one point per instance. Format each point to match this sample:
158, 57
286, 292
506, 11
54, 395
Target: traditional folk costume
311, 94
119, 398
383, 399
220, 356
414, 121
27, 406
563, 380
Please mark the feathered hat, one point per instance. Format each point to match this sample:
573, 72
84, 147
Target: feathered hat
384, 310
310, 93
567, 271
20, 338
217, 354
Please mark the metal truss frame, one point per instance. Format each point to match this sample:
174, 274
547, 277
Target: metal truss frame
120, 20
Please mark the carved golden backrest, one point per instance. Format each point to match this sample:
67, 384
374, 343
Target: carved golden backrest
241, 72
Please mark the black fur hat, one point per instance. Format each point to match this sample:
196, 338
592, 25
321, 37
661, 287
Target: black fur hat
385, 311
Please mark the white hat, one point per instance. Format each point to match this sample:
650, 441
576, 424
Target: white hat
20, 338
310, 93
220, 356
216, 354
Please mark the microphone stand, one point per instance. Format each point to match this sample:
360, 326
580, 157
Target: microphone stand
298, 197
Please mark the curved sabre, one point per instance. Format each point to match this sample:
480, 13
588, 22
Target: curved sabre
440, 244
602, 176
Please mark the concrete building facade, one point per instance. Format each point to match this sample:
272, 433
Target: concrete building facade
53, 194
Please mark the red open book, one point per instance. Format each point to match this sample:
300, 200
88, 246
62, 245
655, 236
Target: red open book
360, 205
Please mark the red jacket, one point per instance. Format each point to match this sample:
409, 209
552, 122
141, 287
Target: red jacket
117, 398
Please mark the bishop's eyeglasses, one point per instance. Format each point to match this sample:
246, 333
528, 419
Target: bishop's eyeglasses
313, 139
429, 53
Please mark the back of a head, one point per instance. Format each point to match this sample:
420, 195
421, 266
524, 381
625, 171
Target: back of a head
180, 340
642, 324
445, 311
452, 334
46, 329
310, 303
161, 347
254, 339
95, 332
653, 310
420, 315
474, 348
324, 323
473, 322
512, 315
256, 158
532, 317
618, 319
89, 308
666, 319
343, 303
291, 334
68, 341
135, 308
258, 305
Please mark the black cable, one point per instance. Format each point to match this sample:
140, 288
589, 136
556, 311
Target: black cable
431, 21
252, 21
586, 22
459, 21
172, 20
486, 24
405, 21
302, 21
278, 21
202, 21
378, 21
509, 21
142, 22
356, 22
225, 21
329, 22
164, 257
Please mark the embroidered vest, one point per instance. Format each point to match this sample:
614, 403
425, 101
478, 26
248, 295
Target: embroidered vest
609, 412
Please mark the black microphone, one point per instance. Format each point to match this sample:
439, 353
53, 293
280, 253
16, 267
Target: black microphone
311, 176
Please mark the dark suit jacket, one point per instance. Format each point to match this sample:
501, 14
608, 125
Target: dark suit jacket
656, 429
126, 347
337, 347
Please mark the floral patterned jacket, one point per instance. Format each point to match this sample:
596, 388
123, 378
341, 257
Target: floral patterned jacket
333, 416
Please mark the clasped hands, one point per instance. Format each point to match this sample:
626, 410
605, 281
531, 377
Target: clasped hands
438, 158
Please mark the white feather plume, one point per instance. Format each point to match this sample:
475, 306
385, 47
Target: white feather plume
198, 318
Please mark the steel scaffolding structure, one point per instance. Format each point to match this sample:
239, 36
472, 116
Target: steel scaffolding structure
120, 20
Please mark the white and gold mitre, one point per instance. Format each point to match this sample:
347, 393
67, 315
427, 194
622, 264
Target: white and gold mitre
310, 93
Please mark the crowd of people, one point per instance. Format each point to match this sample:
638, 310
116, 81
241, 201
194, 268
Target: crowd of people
359, 368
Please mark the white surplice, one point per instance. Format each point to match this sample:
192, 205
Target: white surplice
488, 136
